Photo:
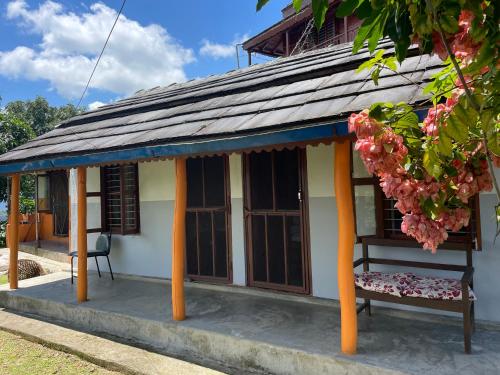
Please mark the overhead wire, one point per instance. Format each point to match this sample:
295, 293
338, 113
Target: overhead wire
102, 52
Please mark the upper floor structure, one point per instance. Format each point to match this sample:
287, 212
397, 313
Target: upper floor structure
296, 32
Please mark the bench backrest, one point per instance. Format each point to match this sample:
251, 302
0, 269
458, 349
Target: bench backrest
465, 247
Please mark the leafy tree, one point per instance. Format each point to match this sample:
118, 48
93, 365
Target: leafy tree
434, 167
21, 121
39, 115
15, 132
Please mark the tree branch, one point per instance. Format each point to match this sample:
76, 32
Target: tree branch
454, 61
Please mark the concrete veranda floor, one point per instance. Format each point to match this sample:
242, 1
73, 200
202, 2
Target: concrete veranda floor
259, 330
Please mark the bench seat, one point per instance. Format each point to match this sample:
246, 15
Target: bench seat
408, 284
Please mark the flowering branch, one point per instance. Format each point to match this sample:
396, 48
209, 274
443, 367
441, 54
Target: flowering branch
468, 93
434, 168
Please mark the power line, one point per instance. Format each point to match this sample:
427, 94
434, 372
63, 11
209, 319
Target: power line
100, 55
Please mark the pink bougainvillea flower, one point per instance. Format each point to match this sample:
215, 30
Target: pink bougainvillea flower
463, 46
429, 232
383, 152
439, 48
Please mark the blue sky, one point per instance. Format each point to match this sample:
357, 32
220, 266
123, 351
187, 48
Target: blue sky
48, 48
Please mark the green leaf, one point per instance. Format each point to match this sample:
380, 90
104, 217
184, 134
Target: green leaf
297, 5
451, 172
487, 117
455, 129
364, 10
457, 123
370, 63
390, 62
430, 208
261, 3
431, 163
377, 32
409, 120
377, 112
319, 8
347, 7
398, 28
448, 23
375, 75
365, 30
445, 145
493, 142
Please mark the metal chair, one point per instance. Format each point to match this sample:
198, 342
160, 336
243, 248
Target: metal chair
102, 249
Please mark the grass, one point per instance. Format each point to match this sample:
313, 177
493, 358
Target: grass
3, 279
19, 356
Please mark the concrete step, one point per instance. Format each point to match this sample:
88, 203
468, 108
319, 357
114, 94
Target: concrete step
180, 340
100, 351
55, 255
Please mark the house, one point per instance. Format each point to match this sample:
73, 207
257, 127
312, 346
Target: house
246, 178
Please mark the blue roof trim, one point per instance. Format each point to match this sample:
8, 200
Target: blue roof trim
270, 138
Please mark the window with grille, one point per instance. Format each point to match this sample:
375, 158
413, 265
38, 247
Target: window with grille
120, 203
376, 215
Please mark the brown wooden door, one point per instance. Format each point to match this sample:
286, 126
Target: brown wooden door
208, 219
276, 220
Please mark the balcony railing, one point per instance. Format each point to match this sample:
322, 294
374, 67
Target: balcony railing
334, 40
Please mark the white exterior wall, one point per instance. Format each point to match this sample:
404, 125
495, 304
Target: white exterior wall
237, 223
323, 225
149, 253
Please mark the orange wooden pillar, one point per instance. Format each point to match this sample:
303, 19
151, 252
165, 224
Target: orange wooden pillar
81, 286
345, 214
14, 230
179, 241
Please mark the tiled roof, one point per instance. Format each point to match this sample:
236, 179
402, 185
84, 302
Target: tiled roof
316, 87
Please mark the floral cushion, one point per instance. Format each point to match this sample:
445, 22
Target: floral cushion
410, 285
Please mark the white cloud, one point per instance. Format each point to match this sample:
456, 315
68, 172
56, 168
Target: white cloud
95, 105
136, 57
217, 50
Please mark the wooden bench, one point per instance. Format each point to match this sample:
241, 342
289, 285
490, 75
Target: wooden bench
454, 295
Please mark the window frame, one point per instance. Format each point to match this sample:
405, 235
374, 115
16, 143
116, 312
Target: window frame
104, 212
46, 176
474, 236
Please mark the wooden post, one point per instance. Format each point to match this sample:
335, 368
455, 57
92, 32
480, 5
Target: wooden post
346, 30
14, 231
81, 291
287, 44
179, 241
347, 294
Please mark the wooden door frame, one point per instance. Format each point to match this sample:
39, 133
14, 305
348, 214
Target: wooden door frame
229, 252
305, 232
